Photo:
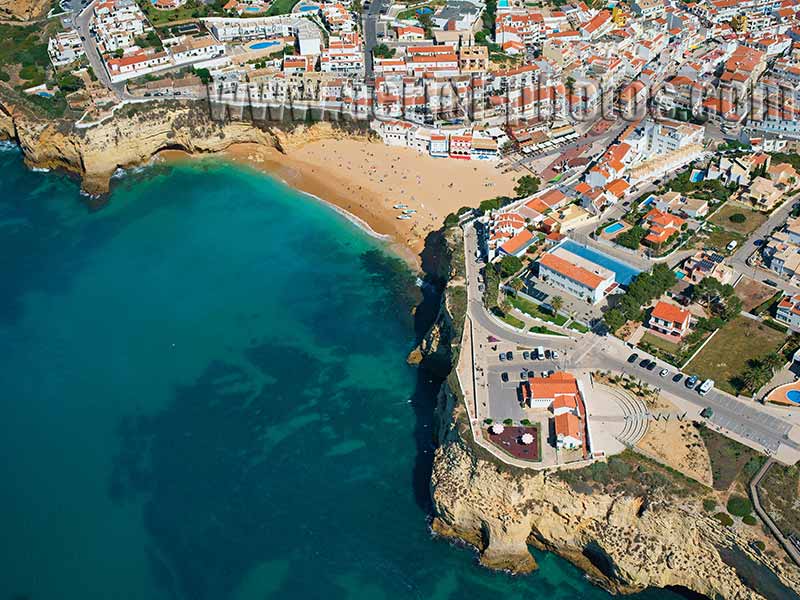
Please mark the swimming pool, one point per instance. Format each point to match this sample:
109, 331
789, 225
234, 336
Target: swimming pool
308, 8
623, 272
502, 4
253, 9
697, 176
262, 45
649, 201
614, 228
793, 396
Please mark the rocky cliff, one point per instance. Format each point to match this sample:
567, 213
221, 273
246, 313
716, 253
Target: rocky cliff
136, 133
23, 10
629, 523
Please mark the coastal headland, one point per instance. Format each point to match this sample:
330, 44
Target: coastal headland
342, 166
630, 524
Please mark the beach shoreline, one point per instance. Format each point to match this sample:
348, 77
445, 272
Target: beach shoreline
363, 180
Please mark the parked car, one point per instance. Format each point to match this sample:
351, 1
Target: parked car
548, 354
502, 357
770, 282
526, 355
504, 377
645, 363
664, 372
690, 383
554, 355
523, 375
509, 355
677, 377
651, 366
707, 412
632, 358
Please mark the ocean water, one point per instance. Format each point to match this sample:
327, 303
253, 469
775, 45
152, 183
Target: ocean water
205, 397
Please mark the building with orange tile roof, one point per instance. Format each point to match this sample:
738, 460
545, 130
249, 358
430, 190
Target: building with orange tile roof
788, 311
569, 431
669, 319
575, 275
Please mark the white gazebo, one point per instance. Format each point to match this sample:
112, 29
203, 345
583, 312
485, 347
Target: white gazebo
497, 429
527, 438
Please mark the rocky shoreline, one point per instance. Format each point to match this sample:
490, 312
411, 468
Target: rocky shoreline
626, 539
137, 133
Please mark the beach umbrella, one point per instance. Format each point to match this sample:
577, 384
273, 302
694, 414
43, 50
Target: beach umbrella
497, 429
527, 438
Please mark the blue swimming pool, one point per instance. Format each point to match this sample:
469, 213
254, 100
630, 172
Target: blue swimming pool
502, 4
680, 274
308, 8
793, 396
261, 45
614, 228
623, 272
697, 176
648, 201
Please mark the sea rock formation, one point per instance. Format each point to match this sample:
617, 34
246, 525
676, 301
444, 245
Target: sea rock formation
624, 543
138, 132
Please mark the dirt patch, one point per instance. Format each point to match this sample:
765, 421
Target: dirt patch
753, 293
678, 445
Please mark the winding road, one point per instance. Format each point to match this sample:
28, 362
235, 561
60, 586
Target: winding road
749, 422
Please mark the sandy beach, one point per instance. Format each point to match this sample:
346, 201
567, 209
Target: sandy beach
367, 178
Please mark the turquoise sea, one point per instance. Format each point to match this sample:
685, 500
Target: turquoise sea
205, 397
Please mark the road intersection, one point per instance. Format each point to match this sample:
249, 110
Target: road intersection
770, 430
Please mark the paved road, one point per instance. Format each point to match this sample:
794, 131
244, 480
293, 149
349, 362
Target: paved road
739, 259
590, 351
371, 17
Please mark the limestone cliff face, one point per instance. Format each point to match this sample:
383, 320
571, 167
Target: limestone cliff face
624, 543
135, 134
439, 345
23, 10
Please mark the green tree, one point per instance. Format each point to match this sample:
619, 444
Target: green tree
509, 265
557, 303
614, 319
527, 185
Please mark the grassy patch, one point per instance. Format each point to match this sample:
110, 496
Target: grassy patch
720, 238
545, 330
660, 343
633, 474
513, 321
281, 7
730, 460
753, 219
778, 492
579, 327
725, 358
535, 310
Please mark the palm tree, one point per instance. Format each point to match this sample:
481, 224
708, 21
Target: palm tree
557, 302
773, 361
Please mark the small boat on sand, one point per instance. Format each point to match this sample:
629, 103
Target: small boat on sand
410, 211
399, 206
404, 217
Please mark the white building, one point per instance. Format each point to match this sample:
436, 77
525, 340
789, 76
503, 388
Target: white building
575, 275
64, 48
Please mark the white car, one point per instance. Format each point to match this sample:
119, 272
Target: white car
664, 372
554, 354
